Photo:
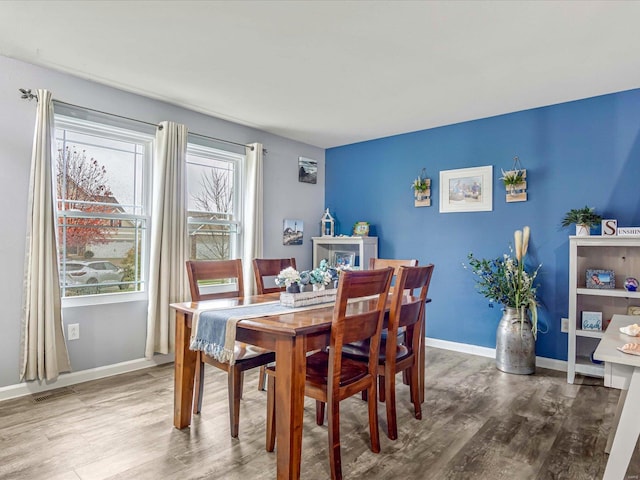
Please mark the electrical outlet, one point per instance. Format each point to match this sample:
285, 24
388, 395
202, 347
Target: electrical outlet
73, 331
564, 325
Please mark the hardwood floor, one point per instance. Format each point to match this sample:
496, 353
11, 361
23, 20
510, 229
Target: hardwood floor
478, 423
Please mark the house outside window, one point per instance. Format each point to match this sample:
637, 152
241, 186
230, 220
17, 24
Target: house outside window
214, 203
102, 190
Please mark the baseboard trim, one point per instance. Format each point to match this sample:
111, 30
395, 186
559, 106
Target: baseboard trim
68, 379
542, 362
73, 378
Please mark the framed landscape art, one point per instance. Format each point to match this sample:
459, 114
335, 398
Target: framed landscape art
466, 190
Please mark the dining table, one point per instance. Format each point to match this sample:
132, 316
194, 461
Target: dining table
625, 429
291, 336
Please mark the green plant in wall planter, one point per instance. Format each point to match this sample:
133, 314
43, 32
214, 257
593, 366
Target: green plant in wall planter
583, 219
422, 190
512, 178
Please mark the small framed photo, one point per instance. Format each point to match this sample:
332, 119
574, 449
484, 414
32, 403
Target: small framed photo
292, 232
307, 170
600, 279
591, 320
344, 259
361, 229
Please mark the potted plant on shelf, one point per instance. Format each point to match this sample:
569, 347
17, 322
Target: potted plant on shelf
506, 280
583, 218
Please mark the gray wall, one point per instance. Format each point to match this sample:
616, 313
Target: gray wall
115, 333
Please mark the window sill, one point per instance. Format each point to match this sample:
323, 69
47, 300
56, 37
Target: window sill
102, 299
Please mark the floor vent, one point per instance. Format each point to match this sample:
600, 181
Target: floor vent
51, 394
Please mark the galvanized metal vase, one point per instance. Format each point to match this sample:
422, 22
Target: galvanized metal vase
515, 344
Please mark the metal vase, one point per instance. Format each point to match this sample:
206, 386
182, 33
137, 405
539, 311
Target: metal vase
515, 345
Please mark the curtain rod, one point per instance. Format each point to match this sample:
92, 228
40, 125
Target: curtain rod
27, 95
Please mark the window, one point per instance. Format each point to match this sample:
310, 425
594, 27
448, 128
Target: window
214, 203
102, 182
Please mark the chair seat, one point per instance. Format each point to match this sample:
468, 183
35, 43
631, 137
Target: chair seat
360, 351
245, 351
317, 370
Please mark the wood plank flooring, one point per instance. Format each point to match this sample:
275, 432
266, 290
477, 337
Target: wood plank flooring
478, 423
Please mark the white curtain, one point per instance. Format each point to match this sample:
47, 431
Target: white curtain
252, 215
167, 273
42, 347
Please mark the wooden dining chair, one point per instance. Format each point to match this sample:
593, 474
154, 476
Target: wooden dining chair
246, 356
330, 377
268, 267
376, 263
396, 264
408, 313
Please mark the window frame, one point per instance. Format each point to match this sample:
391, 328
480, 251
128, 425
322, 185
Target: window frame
239, 160
111, 129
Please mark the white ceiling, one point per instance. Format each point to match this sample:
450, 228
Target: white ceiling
332, 73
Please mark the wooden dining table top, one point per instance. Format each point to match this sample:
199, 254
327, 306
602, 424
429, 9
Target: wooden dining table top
299, 321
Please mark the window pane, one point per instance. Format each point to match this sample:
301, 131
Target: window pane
211, 188
98, 174
211, 241
109, 262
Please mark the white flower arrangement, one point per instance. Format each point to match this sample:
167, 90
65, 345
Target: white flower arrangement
287, 277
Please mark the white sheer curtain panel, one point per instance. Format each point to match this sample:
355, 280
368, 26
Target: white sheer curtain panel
43, 350
252, 237
168, 254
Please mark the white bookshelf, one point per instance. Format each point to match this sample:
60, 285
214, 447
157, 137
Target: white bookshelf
622, 256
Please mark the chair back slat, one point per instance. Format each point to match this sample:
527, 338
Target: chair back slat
270, 267
202, 272
375, 263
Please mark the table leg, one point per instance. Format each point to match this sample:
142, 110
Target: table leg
184, 373
616, 420
422, 356
627, 433
291, 364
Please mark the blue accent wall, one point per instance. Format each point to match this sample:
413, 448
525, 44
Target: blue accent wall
579, 153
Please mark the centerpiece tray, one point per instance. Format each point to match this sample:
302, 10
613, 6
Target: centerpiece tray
304, 299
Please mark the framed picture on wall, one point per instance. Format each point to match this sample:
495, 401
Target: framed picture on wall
292, 232
307, 170
466, 190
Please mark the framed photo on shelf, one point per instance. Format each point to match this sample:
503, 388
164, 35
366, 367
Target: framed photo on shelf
466, 190
361, 229
592, 321
344, 259
600, 278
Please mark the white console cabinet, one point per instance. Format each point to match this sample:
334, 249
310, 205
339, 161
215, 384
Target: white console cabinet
362, 248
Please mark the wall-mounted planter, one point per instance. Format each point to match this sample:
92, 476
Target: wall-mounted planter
516, 192
423, 197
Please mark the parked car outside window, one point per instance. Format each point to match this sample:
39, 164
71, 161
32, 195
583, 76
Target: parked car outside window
91, 273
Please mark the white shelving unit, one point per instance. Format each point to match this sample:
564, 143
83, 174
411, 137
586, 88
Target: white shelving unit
363, 248
620, 254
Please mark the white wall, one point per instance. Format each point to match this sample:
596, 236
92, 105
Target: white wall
115, 333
